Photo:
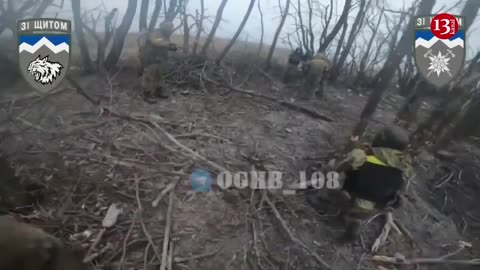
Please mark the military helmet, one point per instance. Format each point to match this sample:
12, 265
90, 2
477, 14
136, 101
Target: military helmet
391, 137
166, 29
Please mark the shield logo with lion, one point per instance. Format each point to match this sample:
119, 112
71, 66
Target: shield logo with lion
44, 51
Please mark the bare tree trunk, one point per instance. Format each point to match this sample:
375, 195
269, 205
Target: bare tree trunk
327, 24
363, 62
216, 23
262, 33
186, 33
170, 14
462, 124
310, 26
277, 34
120, 34
174, 8
237, 34
351, 38
469, 12
302, 26
340, 43
143, 15
77, 18
389, 68
155, 14
393, 43
199, 26
341, 21
42, 8
109, 28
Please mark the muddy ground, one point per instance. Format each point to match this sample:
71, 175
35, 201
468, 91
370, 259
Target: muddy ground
119, 152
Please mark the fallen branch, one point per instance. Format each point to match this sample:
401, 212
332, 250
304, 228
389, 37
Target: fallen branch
164, 192
287, 104
82, 92
382, 238
170, 256
193, 154
405, 233
124, 250
292, 236
93, 256
405, 261
166, 236
142, 223
196, 257
447, 179
203, 135
88, 256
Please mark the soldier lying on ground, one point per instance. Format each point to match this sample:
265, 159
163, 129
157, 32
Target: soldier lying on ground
376, 177
294, 59
315, 71
24, 247
154, 65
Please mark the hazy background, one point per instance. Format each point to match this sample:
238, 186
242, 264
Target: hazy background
236, 9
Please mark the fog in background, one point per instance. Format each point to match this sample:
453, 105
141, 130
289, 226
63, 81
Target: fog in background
236, 9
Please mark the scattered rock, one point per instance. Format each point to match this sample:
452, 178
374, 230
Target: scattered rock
111, 217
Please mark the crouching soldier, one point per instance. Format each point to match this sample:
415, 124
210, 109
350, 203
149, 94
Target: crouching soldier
375, 177
154, 65
294, 59
315, 71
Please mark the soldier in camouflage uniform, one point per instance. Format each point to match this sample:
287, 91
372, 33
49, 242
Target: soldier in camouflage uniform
315, 71
153, 50
294, 59
376, 176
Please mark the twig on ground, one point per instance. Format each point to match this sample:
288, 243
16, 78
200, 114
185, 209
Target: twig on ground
193, 154
196, 257
170, 187
166, 236
405, 232
94, 246
170, 255
382, 238
292, 237
144, 228
124, 247
203, 135
405, 261
92, 257
265, 74
447, 179
81, 91
361, 261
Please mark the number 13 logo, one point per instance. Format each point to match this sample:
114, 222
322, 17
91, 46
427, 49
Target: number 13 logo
444, 26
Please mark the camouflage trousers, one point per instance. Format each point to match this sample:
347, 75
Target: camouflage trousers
358, 212
314, 85
153, 81
290, 74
